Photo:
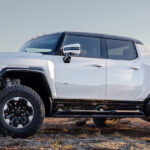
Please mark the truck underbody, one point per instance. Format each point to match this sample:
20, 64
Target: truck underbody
99, 108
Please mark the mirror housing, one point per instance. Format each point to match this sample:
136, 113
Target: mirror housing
73, 49
69, 50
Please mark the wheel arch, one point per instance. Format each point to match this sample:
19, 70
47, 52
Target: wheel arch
33, 77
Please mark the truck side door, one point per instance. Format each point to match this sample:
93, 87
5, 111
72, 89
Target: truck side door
85, 76
124, 71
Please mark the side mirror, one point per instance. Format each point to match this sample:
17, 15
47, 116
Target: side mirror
69, 50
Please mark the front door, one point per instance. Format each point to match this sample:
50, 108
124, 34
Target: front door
85, 76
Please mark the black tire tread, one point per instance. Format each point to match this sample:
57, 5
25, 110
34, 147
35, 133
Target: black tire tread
3, 94
99, 122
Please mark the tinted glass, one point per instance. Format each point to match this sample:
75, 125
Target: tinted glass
121, 50
90, 46
45, 44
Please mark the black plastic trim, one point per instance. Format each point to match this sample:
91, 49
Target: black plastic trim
103, 49
58, 50
30, 69
87, 108
91, 101
99, 114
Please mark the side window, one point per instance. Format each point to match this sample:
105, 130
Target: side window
90, 46
121, 50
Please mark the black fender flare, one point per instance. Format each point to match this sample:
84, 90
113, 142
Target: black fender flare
38, 70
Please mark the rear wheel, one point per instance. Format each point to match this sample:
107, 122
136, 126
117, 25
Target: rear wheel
146, 119
21, 111
99, 122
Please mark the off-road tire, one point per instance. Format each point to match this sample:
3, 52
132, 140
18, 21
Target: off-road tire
38, 107
99, 122
146, 119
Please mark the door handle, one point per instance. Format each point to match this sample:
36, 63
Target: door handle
134, 68
98, 66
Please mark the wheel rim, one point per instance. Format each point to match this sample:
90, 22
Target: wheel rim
18, 112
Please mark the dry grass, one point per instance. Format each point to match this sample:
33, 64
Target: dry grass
63, 134
68, 147
147, 139
83, 135
58, 145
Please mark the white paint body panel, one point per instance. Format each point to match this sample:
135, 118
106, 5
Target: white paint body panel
26, 60
124, 83
81, 79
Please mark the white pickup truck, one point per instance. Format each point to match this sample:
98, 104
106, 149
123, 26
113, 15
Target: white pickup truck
73, 74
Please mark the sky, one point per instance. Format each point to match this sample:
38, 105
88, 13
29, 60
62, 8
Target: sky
20, 20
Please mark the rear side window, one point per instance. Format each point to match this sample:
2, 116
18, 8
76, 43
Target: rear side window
90, 46
121, 50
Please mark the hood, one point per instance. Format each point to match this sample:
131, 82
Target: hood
20, 59
20, 54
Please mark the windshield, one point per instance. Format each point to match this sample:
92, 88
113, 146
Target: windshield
45, 44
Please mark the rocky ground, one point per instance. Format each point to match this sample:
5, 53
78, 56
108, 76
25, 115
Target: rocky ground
64, 134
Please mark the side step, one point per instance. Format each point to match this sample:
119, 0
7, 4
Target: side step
99, 114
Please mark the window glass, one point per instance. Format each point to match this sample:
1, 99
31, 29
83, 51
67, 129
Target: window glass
44, 44
121, 50
90, 46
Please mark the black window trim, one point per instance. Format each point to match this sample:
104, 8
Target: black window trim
104, 54
137, 56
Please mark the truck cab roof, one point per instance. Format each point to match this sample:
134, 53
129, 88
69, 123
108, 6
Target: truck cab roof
103, 36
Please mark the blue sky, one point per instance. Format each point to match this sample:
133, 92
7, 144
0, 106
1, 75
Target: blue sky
22, 19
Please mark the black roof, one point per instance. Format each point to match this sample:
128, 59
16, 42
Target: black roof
104, 36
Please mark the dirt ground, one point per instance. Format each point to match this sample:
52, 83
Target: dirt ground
64, 134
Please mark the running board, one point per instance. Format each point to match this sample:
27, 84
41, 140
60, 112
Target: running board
99, 114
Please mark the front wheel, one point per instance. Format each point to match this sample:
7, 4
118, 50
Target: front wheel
21, 111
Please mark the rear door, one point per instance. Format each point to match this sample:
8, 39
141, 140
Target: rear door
124, 71
85, 76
